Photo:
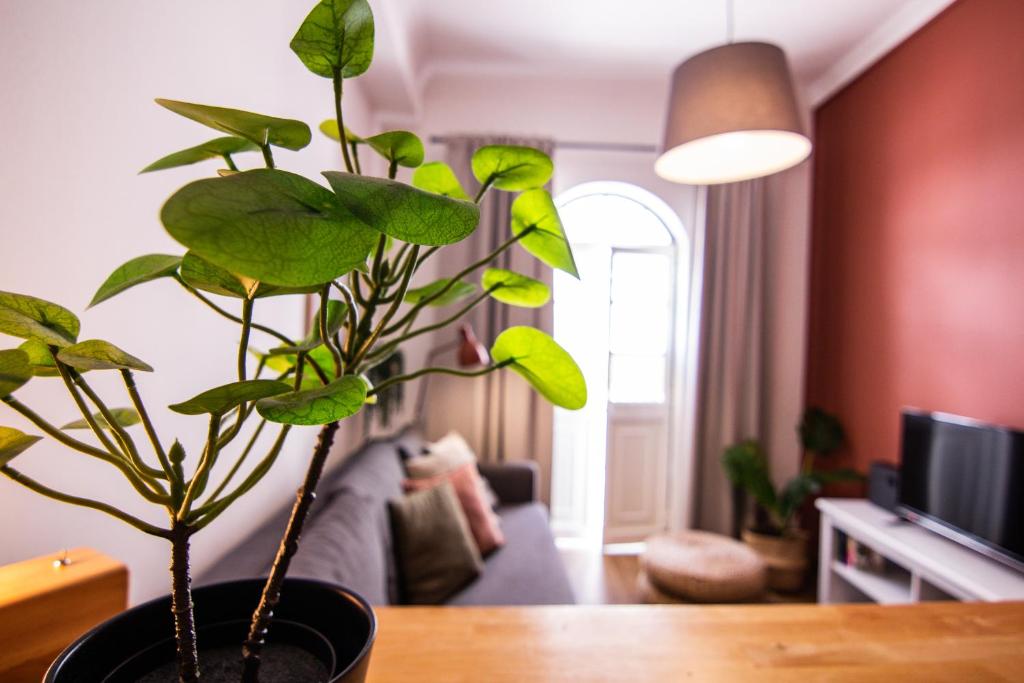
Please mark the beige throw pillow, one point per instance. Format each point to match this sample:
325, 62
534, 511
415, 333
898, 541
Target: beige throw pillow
445, 456
434, 548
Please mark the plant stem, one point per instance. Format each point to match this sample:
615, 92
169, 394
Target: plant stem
253, 646
448, 321
230, 162
147, 424
44, 490
268, 156
325, 337
198, 483
338, 87
243, 344
241, 459
440, 371
181, 605
234, 318
483, 190
367, 345
355, 157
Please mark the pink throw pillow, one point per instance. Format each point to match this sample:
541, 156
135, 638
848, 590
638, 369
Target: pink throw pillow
482, 520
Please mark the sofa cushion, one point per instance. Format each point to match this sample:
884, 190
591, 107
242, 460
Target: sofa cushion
344, 544
528, 570
374, 470
483, 521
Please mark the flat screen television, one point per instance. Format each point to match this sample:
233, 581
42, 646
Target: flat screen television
964, 479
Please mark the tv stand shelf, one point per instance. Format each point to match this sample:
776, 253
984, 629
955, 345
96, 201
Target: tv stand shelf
921, 566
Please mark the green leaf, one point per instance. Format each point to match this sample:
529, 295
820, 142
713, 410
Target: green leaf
214, 149
404, 212
256, 128
96, 354
544, 364
15, 370
398, 146
439, 178
837, 476
201, 274
515, 289
39, 358
126, 417
336, 38
335, 401
460, 290
272, 226
30, 318
820, 432
535, 211
510, 167
13, 442
135, 272
336, 311
221, 399
329, 127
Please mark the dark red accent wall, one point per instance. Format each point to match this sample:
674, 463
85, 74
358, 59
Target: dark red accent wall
917, 266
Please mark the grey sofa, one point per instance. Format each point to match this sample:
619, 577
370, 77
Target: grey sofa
348, 538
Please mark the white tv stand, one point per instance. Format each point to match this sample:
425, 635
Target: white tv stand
925, 566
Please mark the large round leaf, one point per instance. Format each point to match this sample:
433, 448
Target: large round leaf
30, 318
332, 402
96, 354
201, 274
404, 212
535, 211
544, 364
221, 399
256, 128
15, 370
135, 272
336, 38
439, 178
272, 226
399, 147
460, 290
214, 149
511, 167
515, 289
13, 442
125, 417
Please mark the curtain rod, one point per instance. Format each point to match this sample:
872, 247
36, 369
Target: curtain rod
577, 145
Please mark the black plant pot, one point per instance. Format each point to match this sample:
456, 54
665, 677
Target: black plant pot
332, 623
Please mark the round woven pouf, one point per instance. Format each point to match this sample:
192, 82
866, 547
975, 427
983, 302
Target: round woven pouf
697, 566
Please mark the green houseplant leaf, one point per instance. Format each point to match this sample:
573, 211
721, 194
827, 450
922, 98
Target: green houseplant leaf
335, 401
329, 127
96, 354
511, 167
399, 147
439, 178
404, 212
544, 364
514, 289
126, 417
220, 400
213, 149
256, 128
15, 370
535, 211
272, 226
820, 432
336, 38
13, 443
201, 274
135, 272
30, 318
336, 311
460, 290
39, 358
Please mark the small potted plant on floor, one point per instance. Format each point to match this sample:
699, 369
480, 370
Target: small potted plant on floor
774, 532
354, 243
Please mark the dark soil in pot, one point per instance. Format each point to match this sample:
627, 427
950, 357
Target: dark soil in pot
321, 632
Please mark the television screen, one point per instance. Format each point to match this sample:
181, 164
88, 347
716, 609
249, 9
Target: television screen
965, 479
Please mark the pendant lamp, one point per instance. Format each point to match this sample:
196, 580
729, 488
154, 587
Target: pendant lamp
732, 116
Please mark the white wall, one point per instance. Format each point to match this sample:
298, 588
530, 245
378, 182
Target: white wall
78, 80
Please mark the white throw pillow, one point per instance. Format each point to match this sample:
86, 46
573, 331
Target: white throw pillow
444, 455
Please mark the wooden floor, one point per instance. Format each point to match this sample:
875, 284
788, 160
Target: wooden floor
600, 579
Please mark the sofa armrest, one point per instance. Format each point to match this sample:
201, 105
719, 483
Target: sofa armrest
513, 482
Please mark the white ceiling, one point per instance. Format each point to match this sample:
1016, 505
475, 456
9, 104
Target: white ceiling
633, 39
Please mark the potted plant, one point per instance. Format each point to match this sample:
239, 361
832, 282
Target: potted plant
775, 533
355, 244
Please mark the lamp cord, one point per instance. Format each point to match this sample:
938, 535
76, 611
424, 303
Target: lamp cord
730, 21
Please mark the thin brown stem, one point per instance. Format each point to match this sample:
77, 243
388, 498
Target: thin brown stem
181, 605
147, 423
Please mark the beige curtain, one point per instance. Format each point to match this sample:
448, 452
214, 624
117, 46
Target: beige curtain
731, 352
501, 417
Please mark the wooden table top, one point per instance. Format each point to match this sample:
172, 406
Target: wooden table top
924, 642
